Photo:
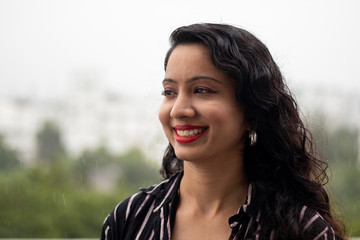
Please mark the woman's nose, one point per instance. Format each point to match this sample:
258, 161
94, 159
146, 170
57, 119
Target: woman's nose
183, 107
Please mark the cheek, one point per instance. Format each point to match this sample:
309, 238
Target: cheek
164, 117
217, 115
164, 114
227, 119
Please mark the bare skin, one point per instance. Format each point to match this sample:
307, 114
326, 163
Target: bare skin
207, 200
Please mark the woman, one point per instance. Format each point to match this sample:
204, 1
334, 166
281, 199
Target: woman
239, 164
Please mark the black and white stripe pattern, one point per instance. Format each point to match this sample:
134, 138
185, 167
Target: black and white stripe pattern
150, 213
145, 215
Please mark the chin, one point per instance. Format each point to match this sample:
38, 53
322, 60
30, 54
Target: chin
189, 157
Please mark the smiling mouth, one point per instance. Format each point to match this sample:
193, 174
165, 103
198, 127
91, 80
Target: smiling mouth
189, 133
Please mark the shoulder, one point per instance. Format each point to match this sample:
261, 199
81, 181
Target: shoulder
135, 209
115, 223
314, 226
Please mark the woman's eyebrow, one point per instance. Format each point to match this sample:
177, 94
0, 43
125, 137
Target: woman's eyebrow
203, 77
195, 78
168, 80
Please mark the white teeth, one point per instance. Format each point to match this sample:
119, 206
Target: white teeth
189, 133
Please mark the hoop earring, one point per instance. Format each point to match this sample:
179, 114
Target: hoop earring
253, 138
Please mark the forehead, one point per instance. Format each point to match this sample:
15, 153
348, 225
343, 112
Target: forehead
190, 51
194, 58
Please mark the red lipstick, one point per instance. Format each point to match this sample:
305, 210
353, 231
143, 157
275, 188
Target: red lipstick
188, 139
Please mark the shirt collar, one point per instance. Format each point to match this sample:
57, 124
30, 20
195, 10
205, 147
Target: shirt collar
249, 208
250, 204
166, 191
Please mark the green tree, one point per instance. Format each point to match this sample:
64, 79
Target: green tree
65, 199
130, 170
339, 147
9, 158
136, 170
342, 146
91, 161
49, 143
345, 175
45, 202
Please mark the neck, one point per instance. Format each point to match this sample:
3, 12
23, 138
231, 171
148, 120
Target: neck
210, 188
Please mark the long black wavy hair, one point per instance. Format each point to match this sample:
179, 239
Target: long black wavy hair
283, 164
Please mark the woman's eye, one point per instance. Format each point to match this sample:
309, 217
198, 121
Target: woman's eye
167, 93
203, 90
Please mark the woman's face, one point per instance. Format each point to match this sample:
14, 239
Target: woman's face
199, 114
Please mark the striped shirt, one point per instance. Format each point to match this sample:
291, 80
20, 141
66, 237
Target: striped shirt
150, 214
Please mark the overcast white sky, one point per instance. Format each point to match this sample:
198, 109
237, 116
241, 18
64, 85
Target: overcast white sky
44, 42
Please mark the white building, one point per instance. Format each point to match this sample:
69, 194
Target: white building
87, 118
331, 107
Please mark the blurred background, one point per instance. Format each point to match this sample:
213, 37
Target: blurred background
80, 85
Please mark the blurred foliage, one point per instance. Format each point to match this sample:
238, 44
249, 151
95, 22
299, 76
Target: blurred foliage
9, 158
49, 143
69, 197
345, 176
340, 148
62, 197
